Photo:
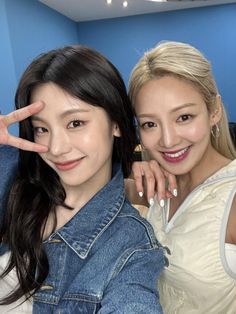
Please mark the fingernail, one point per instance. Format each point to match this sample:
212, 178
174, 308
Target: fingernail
175, 192
162, 203
151, 202
140, 194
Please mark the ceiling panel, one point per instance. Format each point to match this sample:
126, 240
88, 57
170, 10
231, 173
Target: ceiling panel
87, 10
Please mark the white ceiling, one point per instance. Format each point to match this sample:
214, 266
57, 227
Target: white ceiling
87, 10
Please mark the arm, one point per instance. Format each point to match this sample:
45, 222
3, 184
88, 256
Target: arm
134, 288
8, 169
16, 116
149, 176
231, 227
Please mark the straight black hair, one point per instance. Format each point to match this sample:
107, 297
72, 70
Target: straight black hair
89, 76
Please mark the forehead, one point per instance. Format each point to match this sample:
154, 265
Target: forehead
56, 99
167, 92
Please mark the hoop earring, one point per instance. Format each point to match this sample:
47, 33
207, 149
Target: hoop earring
215, 131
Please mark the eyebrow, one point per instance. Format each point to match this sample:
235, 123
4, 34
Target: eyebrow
184, 106
62, 115
174, 110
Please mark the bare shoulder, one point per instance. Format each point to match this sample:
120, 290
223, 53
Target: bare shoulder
231, 227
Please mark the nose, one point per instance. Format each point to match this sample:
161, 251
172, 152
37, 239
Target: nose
169, 136
59, 144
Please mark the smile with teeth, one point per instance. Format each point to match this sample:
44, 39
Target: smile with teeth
177, 154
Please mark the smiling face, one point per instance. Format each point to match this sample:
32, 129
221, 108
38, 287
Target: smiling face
174, 124
79, 137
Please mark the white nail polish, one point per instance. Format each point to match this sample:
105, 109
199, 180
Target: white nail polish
151, 202
140, 194
162, 203
175, 192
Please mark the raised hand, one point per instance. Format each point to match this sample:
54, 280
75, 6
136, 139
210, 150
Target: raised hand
18, 115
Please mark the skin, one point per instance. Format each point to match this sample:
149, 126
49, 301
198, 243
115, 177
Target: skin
79, 138
149, 172
148, 178
16, 116
175, 128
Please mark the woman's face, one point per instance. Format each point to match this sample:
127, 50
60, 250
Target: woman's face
79, 137
174, 123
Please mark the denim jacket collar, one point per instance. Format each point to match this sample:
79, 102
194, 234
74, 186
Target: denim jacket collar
82, 231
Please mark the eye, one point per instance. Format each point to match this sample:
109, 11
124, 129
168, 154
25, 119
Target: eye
75, 124
39, 130
185, 117
148, 125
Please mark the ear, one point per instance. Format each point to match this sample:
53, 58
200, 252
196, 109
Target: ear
116, 130
216, 114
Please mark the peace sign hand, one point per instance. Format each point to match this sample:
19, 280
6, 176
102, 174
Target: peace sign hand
18, 115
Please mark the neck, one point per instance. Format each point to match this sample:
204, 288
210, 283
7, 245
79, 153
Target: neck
78, 196
206, 168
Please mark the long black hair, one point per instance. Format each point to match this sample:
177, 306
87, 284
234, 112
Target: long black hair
89, 76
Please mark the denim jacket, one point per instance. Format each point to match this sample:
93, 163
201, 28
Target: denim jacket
106, 259
8, 168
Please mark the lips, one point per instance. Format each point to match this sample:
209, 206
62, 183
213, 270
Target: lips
176, 156
68, 165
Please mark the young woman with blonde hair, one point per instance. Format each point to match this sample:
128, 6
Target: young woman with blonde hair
184, 128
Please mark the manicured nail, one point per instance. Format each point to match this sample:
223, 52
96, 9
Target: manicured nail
151, 201
175, 192
162, 203
140, 194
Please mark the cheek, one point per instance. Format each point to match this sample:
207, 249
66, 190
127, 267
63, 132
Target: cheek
197, 133
87, 140
44, 140
92, 141
43, 156
148, 140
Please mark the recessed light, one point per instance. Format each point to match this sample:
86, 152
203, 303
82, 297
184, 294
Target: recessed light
158, 0
125, 4
109, 1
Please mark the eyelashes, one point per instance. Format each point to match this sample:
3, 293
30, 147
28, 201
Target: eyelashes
148, 125
75, 124
185, 117
39, 130
180, 119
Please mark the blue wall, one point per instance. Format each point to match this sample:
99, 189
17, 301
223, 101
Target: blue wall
29, 28
7, 70
210, 29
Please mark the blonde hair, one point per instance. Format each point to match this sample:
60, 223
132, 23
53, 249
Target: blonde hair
186, 62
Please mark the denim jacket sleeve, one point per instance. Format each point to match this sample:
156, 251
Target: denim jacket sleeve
8, 168
133, 289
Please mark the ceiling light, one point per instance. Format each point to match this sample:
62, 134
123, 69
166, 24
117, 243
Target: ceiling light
109, 1
158, 0
125, 4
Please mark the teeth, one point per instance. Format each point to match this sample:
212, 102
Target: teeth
178, 154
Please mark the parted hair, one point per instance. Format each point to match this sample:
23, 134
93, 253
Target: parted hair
183, 61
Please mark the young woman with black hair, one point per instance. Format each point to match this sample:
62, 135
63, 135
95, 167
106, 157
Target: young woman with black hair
70, 240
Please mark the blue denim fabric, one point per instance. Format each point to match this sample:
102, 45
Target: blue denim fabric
106, 259
8, 168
